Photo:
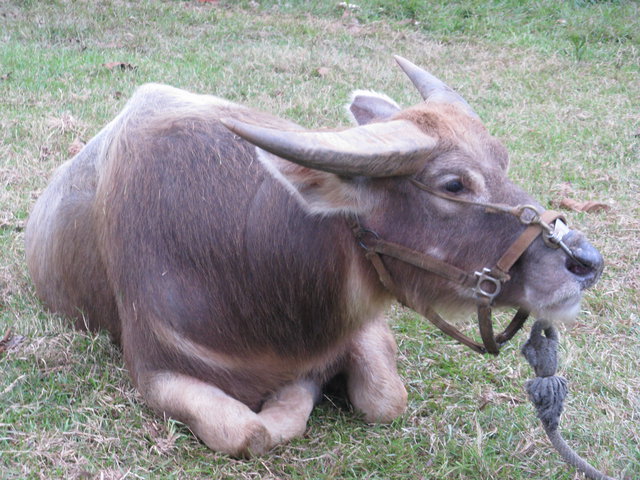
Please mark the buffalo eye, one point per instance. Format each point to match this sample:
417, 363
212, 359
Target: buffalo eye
454, 186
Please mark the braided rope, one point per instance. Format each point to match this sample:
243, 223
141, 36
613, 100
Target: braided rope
547, 392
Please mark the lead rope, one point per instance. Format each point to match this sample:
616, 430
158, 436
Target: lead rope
547, 392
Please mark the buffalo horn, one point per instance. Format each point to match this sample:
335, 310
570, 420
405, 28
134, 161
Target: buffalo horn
431, 87
386, 149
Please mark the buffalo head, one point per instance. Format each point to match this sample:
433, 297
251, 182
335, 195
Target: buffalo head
442, 144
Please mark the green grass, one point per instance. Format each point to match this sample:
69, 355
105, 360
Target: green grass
557, 81
584, 29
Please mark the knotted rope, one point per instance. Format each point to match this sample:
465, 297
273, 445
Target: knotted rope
547, 392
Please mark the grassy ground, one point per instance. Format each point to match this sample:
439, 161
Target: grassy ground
557, 81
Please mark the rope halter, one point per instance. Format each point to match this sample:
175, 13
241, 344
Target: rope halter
485, 284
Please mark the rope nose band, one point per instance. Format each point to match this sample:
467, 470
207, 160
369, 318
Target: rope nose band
486, 285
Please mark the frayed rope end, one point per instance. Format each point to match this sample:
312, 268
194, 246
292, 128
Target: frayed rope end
547, 394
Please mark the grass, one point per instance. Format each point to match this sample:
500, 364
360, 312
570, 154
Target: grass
557, 81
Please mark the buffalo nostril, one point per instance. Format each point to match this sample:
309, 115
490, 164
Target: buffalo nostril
579, 268
586, 261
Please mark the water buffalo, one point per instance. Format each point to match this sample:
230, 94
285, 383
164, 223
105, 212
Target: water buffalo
230, 253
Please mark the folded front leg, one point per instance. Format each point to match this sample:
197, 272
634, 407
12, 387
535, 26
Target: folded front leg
286, 413
226, 425
221, 422
373, 384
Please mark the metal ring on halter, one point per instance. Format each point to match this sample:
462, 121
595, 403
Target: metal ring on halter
361, 233
532, 212
485, 277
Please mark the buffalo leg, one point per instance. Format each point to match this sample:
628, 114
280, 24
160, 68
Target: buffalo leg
286, 413
225, 424
373, 384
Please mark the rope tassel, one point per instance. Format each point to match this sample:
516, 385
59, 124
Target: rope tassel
547, 392
547, 395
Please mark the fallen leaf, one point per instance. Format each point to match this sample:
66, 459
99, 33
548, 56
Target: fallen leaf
10, 341
119, 65
75, 147
587, 207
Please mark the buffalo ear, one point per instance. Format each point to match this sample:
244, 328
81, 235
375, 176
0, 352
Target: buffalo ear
367, 106
319, 192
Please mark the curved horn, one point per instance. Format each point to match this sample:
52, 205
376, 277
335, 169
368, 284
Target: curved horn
375, 150
430, 86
